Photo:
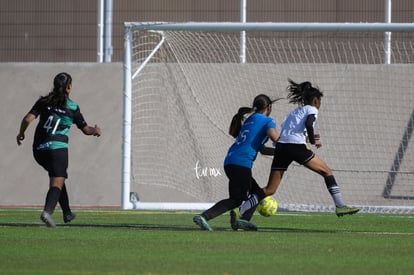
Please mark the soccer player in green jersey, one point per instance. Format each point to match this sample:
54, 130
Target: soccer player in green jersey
57, 113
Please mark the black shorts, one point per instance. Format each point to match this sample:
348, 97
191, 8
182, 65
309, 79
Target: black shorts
55, 162
241, 182
285, 153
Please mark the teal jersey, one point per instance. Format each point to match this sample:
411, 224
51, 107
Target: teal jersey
52, 132
252, 137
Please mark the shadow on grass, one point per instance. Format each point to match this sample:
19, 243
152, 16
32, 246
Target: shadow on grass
164, 227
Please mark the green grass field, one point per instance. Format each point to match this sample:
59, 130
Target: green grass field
143, 242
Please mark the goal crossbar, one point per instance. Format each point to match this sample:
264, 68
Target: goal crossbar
280, 27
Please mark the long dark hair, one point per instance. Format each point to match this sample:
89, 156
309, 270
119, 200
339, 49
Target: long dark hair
260, 103
302, 93
57, 97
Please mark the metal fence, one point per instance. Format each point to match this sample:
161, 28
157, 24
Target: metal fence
68, 31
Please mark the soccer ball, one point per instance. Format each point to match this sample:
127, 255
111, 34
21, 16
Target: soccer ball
267, 207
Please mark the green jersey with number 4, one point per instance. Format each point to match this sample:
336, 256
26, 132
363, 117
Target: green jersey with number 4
52, 132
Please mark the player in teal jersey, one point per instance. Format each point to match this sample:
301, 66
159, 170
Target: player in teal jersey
57, 113
251, 137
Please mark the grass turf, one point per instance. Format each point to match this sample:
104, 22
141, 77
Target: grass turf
144, 242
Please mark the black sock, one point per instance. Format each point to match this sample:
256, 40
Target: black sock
64, 201
52, 198
220, 208
247, 216
260, 194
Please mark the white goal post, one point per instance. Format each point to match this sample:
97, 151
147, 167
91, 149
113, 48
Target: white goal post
184, 81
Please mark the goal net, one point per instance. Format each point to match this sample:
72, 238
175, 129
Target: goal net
183, 84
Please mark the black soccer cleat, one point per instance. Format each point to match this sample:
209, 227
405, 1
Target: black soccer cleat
69, 217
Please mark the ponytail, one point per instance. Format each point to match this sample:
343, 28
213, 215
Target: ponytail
260, 103
237, 120
57, 97
302, 93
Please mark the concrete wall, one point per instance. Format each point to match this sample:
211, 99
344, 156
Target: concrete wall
363, 122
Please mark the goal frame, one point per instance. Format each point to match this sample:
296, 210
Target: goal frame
128, 199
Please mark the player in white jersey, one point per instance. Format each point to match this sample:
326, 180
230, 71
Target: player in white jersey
296, 130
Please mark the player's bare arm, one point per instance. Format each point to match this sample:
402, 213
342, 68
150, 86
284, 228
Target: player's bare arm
92, 131
317, 139
23, 126
273, 134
